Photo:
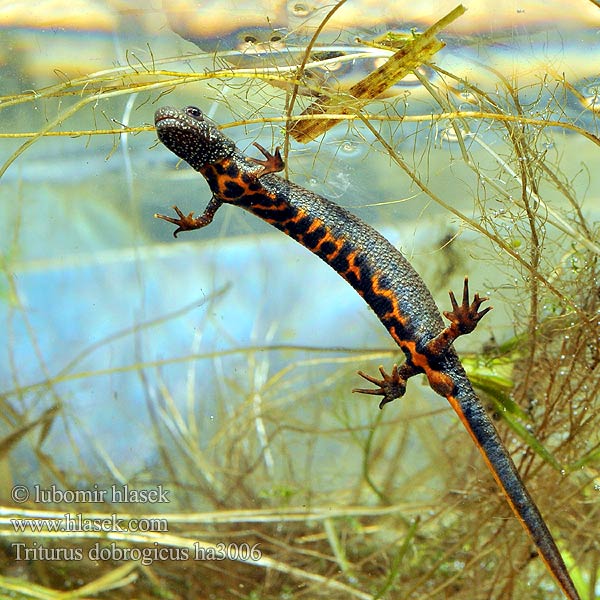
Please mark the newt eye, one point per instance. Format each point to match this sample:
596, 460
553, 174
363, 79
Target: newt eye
194, 112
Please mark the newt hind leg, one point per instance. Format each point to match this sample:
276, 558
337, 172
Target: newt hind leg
390, 386
463, 319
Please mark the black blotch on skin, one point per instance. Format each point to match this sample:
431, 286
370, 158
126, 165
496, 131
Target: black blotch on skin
254, 185
381, 304
233, 190
299, 226
278, 215
327, 248
314, 237
355, 280
212, 179
341, 263
232, 171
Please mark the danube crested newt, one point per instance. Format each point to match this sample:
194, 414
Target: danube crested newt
378, 272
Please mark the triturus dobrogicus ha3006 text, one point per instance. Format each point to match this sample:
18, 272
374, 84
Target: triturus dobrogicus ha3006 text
379, 273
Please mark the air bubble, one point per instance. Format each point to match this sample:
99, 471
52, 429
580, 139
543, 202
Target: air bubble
300, 10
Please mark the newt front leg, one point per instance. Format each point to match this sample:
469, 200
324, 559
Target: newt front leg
272, 163
189, 222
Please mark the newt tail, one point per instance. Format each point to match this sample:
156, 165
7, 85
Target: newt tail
379, 273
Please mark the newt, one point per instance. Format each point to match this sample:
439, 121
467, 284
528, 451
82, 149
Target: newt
379, 273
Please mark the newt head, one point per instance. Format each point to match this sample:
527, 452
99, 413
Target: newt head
188, 135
